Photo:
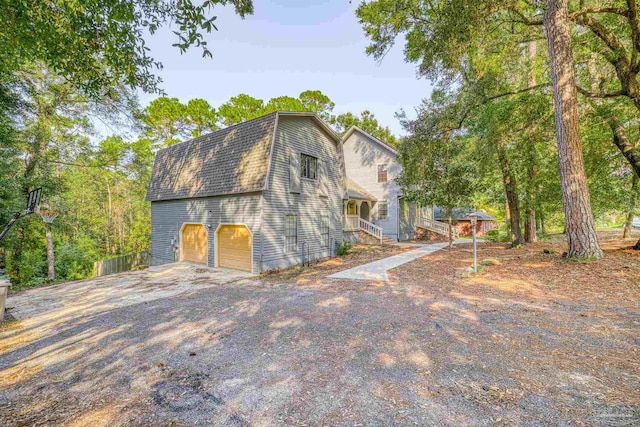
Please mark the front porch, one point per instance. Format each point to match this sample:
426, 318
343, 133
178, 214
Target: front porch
357, 210
354, 211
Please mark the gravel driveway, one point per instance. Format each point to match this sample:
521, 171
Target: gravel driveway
182, 345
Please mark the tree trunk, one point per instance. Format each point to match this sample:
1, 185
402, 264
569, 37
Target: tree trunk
530, 232
109, 217
450, 232
51, 273
628, 149
511, 193
633, 199
581, 230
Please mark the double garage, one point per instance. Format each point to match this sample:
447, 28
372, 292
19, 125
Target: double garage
233, 246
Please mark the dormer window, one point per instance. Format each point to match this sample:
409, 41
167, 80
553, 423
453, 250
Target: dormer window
308, 166
382, 173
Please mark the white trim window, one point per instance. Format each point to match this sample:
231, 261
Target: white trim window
383, 209
291, 233
308, 166
382, 173
324, 231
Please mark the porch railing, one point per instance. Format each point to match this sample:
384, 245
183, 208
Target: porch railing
436, 226
370, 228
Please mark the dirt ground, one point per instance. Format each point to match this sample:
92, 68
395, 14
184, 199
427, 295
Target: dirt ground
531, 340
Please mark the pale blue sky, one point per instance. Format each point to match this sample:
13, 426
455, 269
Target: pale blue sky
286, 47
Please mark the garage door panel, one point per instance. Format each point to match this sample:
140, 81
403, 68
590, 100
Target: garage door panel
234, 247
194, 243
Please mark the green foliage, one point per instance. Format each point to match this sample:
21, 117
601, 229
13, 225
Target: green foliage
98, 45
317, 102
499, 235
73, 262
437, 169
343, 248
482, 55
243, 107
365, 121
168, 121
240, 109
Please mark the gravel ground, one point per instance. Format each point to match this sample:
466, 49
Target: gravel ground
182, 345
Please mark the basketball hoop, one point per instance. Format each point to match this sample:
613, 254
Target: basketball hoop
47, 216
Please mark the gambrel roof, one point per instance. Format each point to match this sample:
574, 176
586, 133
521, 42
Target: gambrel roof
233, 160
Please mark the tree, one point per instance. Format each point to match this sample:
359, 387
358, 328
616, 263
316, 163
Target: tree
240, 108
317, 102
366, 121
97, 45
580, 226
201, 117
436, 166
51, 135
168, 121
284, 103
465, 41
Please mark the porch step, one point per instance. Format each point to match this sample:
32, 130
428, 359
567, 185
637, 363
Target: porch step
368, 239
388, 241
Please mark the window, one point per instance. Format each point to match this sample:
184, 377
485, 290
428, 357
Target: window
383, 209
291, 233
324, 231
308, 166
382, 173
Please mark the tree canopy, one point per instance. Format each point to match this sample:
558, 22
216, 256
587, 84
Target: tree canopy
100, 44
491, 60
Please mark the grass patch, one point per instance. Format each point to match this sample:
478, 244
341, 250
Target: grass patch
10, 325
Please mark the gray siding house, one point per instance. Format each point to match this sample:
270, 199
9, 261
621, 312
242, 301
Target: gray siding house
263, 194
373, 166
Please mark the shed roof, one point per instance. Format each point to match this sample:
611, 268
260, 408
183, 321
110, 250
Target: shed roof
461, 213
233, 160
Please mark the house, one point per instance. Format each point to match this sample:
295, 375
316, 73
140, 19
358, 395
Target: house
267, 193
277, 191
460, 217
374, 196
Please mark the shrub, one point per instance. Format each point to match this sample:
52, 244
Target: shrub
498, 235
72, 262
342, 249
548, 251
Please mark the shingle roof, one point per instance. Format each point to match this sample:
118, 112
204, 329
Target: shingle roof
462, 213
228, 161
356, 192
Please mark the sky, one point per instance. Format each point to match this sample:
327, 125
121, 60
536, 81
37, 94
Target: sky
284, 48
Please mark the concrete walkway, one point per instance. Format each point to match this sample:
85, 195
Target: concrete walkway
377, 270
